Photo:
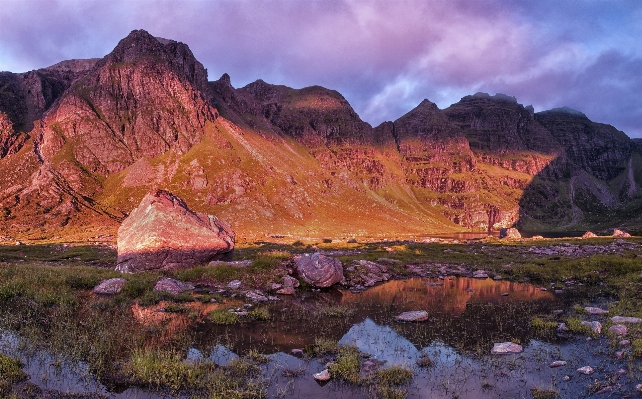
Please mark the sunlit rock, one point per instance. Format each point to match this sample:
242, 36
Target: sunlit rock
503, 348
415, 315
319, 270
510, 233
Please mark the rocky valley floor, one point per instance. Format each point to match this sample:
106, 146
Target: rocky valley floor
253, 328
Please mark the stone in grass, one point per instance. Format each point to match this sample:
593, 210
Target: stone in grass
622, 319
322, 376
172, 286
234, 284
256, 296
503, 348
619, 329
110, 287
480, 274
595, 326
415, 315
593, 310
286, 291
586, 370
557, 363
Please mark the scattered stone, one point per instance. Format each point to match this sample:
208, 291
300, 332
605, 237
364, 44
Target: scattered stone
592, 310
236, 263
595, 326
557, 363
273, 298
619, 329
110, 287
275, 286
622, 372
286, 291
562, 327
505, 348
289, 281
586, 370
589, 234
319, 270
480, 274
620, 354
163, 233
559, 292
624, 343
256, 296
510, 233
497, 277
639, 387
604, 390
322, 376
234, 284
172, 286
415, 315
621, 319
566, 378
297, 352
620, 233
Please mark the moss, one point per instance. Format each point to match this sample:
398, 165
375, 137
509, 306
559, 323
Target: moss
574, 325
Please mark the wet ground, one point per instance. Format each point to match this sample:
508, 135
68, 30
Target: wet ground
466, 317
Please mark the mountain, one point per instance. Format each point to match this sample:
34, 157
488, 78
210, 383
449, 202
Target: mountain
81, 142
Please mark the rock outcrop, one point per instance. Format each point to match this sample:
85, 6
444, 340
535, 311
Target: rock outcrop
164, 234
319, 270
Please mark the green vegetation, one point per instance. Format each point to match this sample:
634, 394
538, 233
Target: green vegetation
10, 373
545, 393
347, 365
223, 317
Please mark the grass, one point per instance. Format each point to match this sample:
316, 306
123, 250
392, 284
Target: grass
545, 393
259, 314
10, 373
347, 365
574, 325
223, 317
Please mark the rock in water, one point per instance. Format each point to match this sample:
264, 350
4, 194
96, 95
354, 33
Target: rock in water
509, 233
110, 287
322, 376
503, 348
163, 233
587, 370
415, 315
319, 270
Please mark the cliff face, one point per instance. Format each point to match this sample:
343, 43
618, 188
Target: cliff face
82, 141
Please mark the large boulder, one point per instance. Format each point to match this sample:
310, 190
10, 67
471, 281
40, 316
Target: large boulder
319, 270
164, 234
510, 233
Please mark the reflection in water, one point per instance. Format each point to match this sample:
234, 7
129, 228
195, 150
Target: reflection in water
382, 343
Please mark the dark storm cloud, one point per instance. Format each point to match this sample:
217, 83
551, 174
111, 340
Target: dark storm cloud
383, 56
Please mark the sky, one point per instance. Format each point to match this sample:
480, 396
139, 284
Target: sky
383, 56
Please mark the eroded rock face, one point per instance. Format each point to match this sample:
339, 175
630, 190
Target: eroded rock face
319, 270
164, 234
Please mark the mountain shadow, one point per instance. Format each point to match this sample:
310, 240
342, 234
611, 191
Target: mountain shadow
594, 182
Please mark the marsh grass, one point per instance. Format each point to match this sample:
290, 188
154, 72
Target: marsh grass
223, 317
10, 373
545, 393
347, 365
574, 325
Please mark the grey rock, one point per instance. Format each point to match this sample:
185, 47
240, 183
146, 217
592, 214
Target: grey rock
619, 329
594, 311
587, 370
286, 291
595, 326
110, 287
319, 270
415, 315
172, 286
234, 284
289, 281
503, 348
322, 375
622, 319
557, 363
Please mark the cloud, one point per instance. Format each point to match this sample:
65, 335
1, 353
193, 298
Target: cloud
383, 56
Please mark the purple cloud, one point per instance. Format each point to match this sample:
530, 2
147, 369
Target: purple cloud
384, 57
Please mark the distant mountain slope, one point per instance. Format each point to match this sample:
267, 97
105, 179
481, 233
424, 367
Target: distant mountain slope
82, 141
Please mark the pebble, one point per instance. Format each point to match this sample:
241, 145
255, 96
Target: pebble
587, 370
322, 375
505, 348
566, 378
624, 342
557, 363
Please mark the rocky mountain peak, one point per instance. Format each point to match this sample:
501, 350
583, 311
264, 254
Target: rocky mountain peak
565, 110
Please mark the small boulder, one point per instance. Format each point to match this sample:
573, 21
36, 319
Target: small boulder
510, 233
480, 274
415, 315
234, 284
619, 329
163, 233
286, 291
587, 370
319, 270
256, 296
589, 234
503, 348
172, 286
289, 281
595, 326
557, 363
592, 310
622, 319
620, 233
322, 376
110, 287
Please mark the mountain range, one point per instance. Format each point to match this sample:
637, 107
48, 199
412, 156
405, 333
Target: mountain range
82, 141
